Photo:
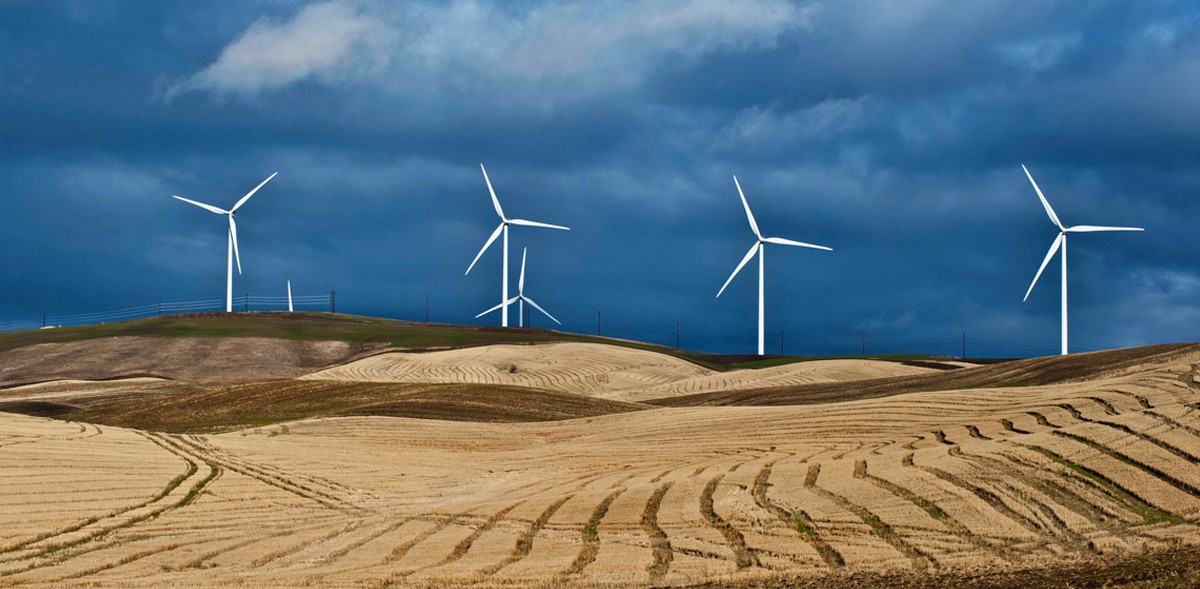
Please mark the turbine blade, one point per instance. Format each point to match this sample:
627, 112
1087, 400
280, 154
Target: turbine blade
496, 308
251, 193
749, 254
495, 201
749, 215
535, 306
1050, 254
495, 234
536, 224
1045, 203
233, 234
202, 205
782, 241
1091, 228
521, 282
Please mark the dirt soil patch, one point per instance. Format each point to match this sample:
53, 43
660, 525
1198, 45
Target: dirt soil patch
263, 403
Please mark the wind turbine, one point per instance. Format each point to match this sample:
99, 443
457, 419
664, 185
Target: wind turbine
757, 248
503, 228
1061, 240
233, 247
521, 298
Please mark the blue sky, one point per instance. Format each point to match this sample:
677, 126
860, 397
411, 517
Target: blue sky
890, 131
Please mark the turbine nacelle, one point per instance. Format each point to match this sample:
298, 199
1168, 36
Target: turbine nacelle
758, 247
233, 243
504, 222
521, 295
760, 240
1060, 242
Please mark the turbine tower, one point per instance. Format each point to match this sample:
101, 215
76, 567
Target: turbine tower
503, 228
521, 298
1061, 241
233, 247
757, 248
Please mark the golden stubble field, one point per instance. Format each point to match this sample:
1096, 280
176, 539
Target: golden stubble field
928, 485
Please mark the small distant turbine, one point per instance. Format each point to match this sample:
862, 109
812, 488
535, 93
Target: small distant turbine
503, 228
521, 298
233, 247
1061, 240
757, 248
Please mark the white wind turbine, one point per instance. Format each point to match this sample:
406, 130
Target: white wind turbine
233, 247
521, 298
1061, 240
503, 228
757, 248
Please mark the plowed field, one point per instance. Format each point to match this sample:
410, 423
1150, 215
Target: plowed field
598, 370
1089, 474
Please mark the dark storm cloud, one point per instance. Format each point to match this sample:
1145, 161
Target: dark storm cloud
892, 132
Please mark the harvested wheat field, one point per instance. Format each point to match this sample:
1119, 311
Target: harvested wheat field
1084, 470
599, 370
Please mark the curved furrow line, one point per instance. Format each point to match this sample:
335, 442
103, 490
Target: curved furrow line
1177, 451
973, 430
121, 561
524, 542
937, 513
302, 545
460, 549
232, 464
61, 552
660, 544
591, 537
99, 521
798, 520
919, 559
991, 499
1124, 495
329, 484
1173, 422
1174, 481
1071, 501
441, 523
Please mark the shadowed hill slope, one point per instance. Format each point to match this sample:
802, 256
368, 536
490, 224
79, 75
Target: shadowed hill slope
1035, 371
265, 403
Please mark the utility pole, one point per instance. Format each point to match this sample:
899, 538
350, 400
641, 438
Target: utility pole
332, 302
864, 344
597, 323
247, 302
677, 335
43, 319
160, 307
964, 356
426, 309
780, 342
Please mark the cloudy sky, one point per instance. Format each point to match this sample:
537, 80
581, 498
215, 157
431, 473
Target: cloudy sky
891, 131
